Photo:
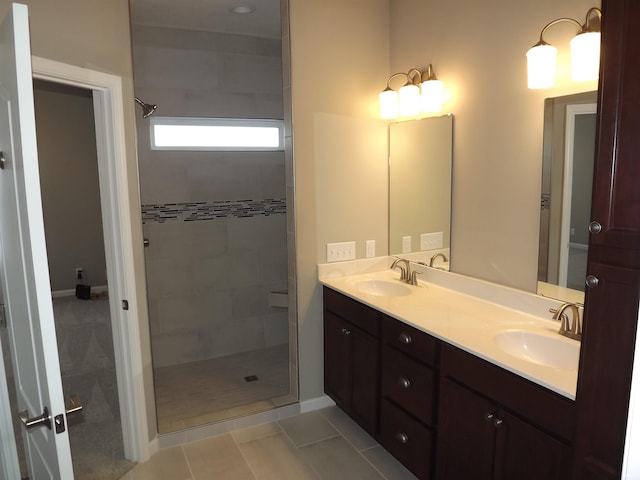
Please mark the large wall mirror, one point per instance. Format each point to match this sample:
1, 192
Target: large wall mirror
420, 161
567, 176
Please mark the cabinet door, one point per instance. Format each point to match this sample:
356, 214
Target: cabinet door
365, 393
466, 437
525, 453
337, 359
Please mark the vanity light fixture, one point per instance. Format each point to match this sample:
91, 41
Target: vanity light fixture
585, 53
422, 92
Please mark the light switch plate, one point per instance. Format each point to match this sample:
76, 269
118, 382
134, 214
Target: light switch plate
431, 241
339, 252
370, 248
406, 244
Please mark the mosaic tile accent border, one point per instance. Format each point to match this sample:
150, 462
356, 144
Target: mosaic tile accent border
199, 211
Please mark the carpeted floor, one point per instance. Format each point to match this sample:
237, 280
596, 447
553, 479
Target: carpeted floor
83, 330
85, 348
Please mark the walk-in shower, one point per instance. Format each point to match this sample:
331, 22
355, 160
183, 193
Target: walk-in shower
215, 222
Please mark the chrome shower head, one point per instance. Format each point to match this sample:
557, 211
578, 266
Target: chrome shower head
147, 109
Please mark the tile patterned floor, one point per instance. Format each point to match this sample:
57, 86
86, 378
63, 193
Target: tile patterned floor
209, 391
320, 445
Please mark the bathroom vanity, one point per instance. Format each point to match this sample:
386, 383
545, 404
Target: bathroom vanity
424, 377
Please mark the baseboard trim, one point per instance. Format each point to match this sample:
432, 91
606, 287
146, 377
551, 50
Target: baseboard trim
316, 404
154, 446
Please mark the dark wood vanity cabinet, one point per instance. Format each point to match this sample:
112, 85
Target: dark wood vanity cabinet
409, 396
352, 358
496, 425
442, 412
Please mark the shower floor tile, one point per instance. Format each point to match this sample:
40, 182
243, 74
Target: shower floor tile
212, 390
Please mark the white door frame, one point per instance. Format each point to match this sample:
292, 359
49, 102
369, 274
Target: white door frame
118, 238
572, 111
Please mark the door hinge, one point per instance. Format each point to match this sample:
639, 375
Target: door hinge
3, 316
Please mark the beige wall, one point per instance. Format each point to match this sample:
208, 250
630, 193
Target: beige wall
95, 34
340, 52
478, 50
339, 64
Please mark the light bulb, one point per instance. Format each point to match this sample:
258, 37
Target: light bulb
541, 66
388, 104
585, 56
410, 100
432, 94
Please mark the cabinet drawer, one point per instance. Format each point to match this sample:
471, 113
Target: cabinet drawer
407, 440
410, 340
409, 384
360, 315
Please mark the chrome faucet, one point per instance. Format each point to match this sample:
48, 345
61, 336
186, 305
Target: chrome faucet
404, 271
434, 257
406, 275
571, 329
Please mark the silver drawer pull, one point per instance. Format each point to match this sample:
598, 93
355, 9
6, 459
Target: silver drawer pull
346, 331
488, 416
402, 438
404, 382
405, 338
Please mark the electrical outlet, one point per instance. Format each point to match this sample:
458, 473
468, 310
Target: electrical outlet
339, 252
406, 244
431, 241
79, 273
370, 248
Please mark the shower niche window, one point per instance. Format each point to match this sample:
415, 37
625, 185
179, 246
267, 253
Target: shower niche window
215, 219
216, 134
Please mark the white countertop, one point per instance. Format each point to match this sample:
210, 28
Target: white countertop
465, 321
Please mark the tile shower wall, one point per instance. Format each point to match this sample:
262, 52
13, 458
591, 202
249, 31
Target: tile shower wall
216, 221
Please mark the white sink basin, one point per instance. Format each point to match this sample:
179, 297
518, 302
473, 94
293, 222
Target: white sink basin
551, 350
383, 288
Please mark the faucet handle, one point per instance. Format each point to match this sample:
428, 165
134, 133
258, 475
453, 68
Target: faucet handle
414, 274
564, 320
577, 326
403, 271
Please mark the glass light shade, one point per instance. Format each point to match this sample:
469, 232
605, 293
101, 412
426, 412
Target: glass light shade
388, 104
410, 100
432, 94
585, 56
541, 66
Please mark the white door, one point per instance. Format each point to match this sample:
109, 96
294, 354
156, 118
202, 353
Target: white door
25, 272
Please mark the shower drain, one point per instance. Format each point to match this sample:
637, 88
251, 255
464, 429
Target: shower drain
250, 378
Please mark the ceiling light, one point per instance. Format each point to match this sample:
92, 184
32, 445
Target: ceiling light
243, 9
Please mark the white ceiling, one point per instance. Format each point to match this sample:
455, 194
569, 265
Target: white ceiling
209, 15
